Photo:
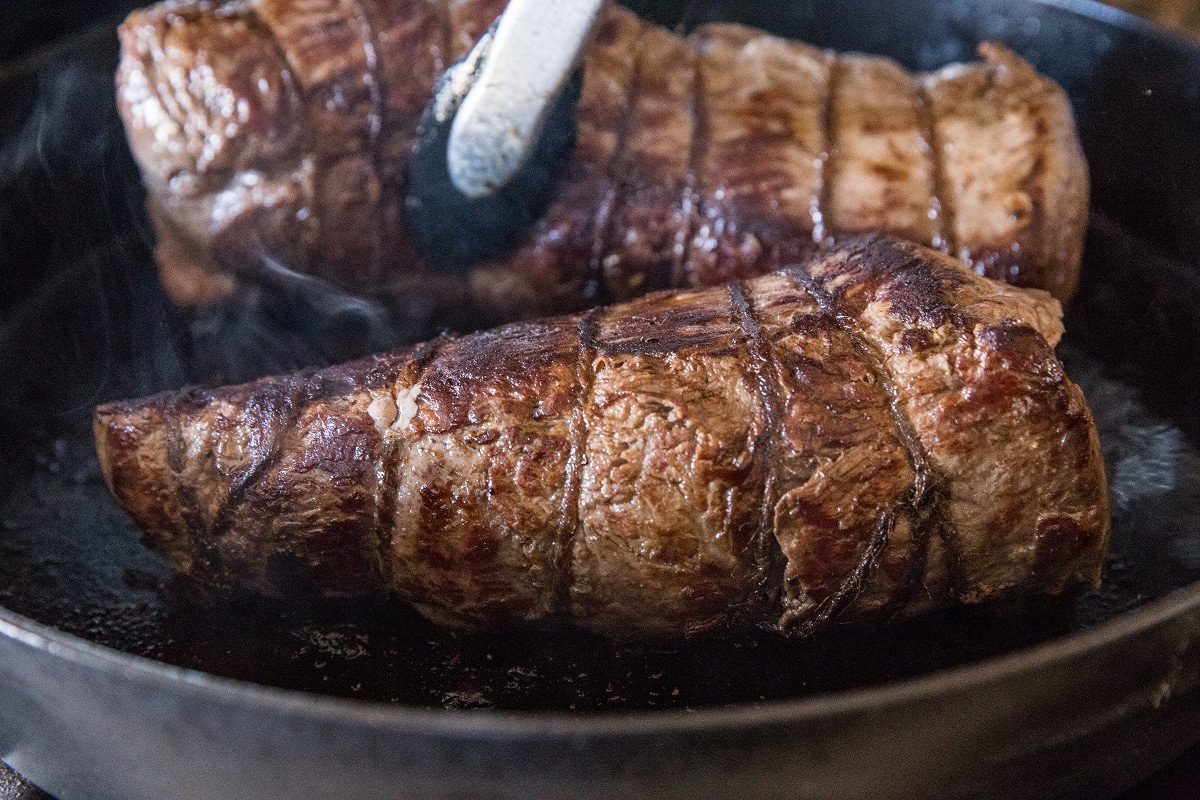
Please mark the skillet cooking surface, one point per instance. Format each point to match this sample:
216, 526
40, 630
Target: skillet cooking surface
82, 321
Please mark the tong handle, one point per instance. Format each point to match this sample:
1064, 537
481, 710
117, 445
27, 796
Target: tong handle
532, 52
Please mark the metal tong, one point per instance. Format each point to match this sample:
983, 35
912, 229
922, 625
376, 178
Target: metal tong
501, 123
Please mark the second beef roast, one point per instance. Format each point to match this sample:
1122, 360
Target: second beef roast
274, 135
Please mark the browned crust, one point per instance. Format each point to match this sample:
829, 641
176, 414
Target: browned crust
974, 373
468, 20
762, 140
845, 486
412, 51
652, 219
874, 433
328, 46
171, 104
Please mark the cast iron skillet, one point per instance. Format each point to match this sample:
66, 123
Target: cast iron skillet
109, 688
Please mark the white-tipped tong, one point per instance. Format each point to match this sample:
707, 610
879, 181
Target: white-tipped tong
499, 125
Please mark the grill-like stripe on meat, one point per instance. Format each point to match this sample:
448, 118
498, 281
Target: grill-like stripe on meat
939, 206
762, 369
763, 105
646, 241
873, 433
282, 129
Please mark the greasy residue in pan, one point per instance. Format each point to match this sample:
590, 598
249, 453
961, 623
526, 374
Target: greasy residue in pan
83, 321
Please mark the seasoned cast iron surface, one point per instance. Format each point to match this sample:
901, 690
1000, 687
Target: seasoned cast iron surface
82, 321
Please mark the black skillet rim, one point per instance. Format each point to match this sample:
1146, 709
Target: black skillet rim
508, 724
495, 723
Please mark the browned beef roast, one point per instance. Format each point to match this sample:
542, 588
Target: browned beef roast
874, 433
274, 135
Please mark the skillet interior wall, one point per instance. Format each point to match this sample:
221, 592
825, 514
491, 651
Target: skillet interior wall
82, 320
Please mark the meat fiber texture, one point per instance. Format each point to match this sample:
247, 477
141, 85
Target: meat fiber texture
866, 436
274, 136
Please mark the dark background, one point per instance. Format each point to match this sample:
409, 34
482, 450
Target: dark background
30, 24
